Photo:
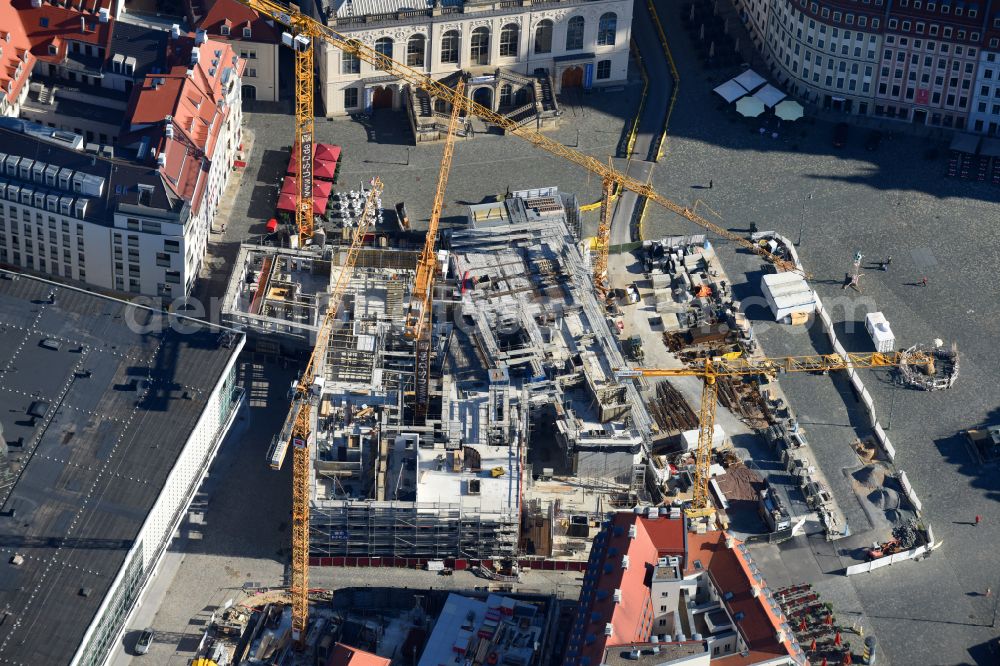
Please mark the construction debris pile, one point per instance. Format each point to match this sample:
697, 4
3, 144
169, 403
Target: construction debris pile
670, 411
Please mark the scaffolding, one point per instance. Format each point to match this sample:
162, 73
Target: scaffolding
410, 529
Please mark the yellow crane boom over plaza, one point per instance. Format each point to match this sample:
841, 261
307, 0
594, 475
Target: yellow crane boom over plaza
303, 400
305, 29
420, 301
710, 369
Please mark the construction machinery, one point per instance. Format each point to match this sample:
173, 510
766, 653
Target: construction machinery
710, 369
305, 393
419, 311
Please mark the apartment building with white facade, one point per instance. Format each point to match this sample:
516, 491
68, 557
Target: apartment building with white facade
910, 60
821, 53
137, 223
984, 114
581, 44
929, 58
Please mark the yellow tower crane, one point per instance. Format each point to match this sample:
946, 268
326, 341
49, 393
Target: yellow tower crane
710, 369
307, 29
303, 32
419, 311
305, 395
602, 241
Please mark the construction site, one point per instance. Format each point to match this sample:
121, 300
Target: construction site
468, 405
519, 410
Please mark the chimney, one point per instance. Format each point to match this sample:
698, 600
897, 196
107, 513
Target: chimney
83, 24
200, 37
175, 31
168, 130
195, 56
103, 14
36, 3
161, 160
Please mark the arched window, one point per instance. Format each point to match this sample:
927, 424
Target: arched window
574, 34
607, 29
480, 46
441, 106
415, 49
506, 96
543, 37
449, 47
508, 41
384, 46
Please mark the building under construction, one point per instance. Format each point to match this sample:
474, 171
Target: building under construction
512, 416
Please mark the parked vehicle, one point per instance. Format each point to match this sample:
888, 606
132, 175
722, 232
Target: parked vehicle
144, 641
840, 135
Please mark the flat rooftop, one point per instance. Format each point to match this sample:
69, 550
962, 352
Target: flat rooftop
95, 415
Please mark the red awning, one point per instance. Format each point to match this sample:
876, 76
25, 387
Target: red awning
321, 188
286, 201
319, 204
326, 152
272, 225
325, 170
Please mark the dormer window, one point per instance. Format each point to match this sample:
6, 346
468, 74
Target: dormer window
53, 50
247, 32
224, 31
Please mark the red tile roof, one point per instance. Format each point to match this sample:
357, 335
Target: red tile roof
236, 15
51, 24
345, 655
191, 95
631, 619
16, 53
729, 568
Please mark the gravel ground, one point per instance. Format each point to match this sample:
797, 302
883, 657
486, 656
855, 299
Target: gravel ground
890, 202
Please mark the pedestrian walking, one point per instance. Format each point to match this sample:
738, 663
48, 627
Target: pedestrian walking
923, 281
888, 261
710, 183
978, 520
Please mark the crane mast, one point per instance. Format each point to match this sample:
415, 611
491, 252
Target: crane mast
427, 264
603, 239
304, 132
303, 402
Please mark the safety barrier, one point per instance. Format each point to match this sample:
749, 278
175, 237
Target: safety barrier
865, 567
674, 74
855, 379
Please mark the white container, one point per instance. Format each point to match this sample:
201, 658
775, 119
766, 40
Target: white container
788, 294
880, 332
